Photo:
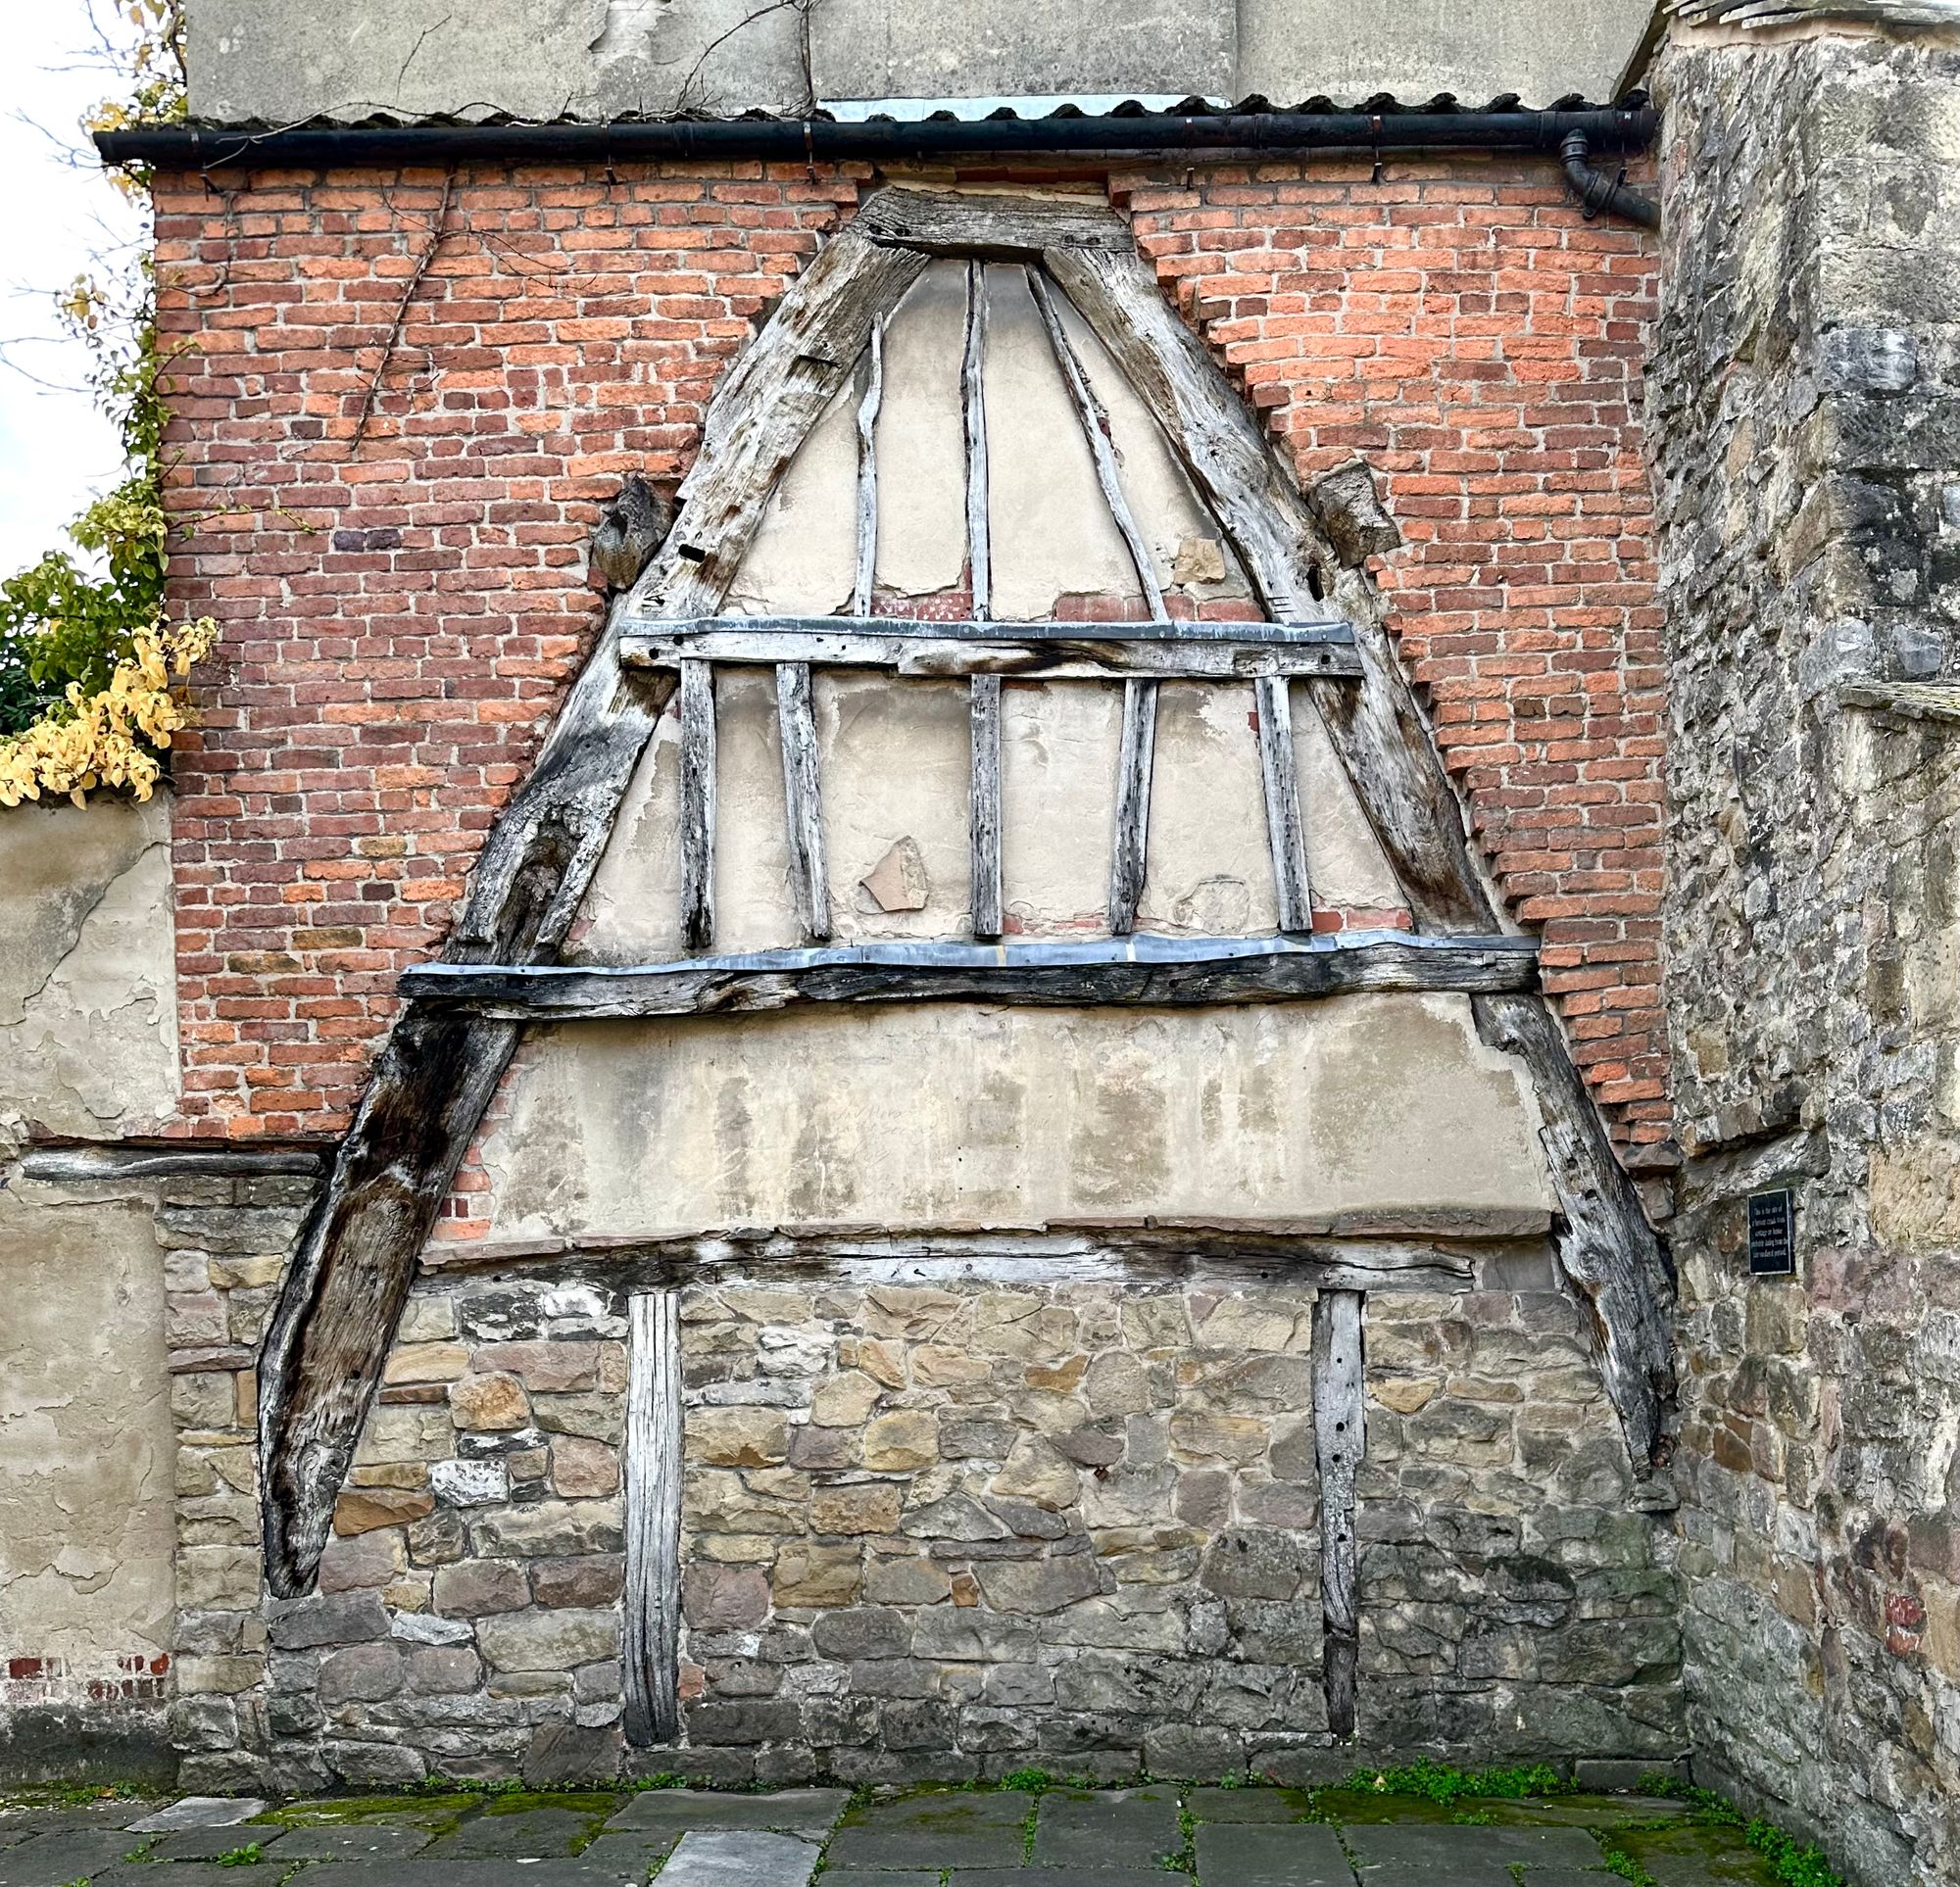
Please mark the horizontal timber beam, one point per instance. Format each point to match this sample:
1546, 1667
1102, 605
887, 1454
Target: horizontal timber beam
1040, 651
1151, 971
1171, 1254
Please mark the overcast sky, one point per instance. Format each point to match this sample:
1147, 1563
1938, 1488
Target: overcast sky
55, 213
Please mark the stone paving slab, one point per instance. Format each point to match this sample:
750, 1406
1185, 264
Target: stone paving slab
632, 1856
1118, 1829
860, 1877
1442, 1845
531, 1835
1256, 1853
1049, 1877
208, 1844
55, 1859
946, 1828
184, 1874
741, 1857
788, 1811
423, 1872
200, 1812
1247, 1804
352, 1841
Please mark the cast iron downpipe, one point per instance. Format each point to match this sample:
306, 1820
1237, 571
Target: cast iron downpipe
1598, 191
192, 147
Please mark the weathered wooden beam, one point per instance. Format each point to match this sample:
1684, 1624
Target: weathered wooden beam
1094, 424
696, 804
1005, 228
1129, 853
803, 799
355, 1251
713, 632
1059, 651
1339, 1441
653, 1478
1224, 1255
1385, 744
872, 399
93, 1163
1286, 836
984, 822
973, 422
1143, 970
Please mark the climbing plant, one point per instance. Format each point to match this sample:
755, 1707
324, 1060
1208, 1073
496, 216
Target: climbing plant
91, 670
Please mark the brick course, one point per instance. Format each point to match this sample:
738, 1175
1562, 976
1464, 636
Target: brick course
399, 618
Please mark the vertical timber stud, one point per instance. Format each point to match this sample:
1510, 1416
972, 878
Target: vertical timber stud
1273, 699
803, 799
983, 713
983, 691
1383, 740
873, 397
1129, 854
653, 1496
355, 1256
1339, 1439
696, 804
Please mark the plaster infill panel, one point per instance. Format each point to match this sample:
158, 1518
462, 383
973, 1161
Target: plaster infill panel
85, 1436
894, 760
958, 1116
88, 1040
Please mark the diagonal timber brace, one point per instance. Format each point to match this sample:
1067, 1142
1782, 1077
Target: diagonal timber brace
358, 1248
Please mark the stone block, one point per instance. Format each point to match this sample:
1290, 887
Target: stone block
547, 1640
362, 1510
737, 1438
906, 1439
724, 1598
477, 1588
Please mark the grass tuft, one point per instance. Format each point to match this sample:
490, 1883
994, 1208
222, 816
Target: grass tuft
1445, 1784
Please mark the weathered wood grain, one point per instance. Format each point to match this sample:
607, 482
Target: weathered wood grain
653, 1477
984, 820
973, 421
872, 398
1136, 761
1094, 424
1286, 836
1233, 1258
1062, 651
355, 1254
696, 804
1606, 1249
1339, 1439
1170, 972
1389, 753
1005, 228
721, 632
803, 799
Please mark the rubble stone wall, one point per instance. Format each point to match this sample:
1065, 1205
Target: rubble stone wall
928, 1531
1804, 416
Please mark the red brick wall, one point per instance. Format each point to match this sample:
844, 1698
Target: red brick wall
398, 623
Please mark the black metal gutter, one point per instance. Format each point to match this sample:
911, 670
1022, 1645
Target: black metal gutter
194, 146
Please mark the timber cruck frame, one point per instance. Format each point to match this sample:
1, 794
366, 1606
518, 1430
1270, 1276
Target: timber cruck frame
356, 1256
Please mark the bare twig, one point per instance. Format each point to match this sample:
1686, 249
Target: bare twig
421, 268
